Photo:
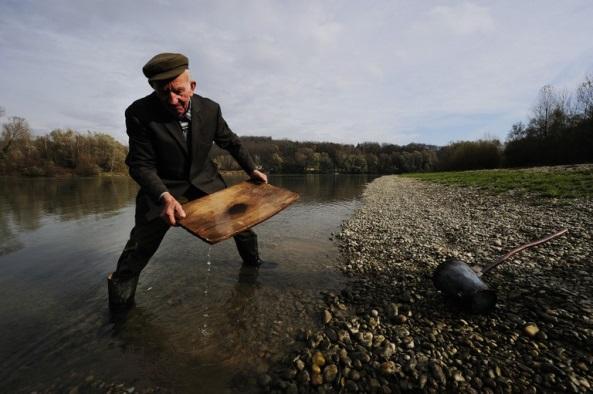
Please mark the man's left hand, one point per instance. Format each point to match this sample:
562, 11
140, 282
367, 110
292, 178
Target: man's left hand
257, 175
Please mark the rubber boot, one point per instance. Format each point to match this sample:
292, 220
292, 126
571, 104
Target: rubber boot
121, 293
248, 249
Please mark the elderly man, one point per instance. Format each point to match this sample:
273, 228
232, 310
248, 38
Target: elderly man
171, 132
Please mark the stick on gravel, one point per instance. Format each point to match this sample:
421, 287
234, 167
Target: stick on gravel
491, 266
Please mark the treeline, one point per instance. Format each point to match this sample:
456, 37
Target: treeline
57, 153
560, 131
284, 156
86, 154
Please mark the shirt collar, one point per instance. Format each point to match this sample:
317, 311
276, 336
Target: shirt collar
188, 112
187, 115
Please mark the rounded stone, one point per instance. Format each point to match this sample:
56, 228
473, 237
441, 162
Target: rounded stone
316, 379
531, 330
389, 368
329, 373
318, 359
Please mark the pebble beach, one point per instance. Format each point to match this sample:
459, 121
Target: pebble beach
389, 330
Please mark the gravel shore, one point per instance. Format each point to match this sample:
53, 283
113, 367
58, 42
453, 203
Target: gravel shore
390, 330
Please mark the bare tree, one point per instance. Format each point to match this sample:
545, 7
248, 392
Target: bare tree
16, 129
517, 132
585, 97
550, 106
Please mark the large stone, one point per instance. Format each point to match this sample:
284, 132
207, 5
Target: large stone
303, 377
329, 373
343, 336
389, 368
365, 338
437, 373
316, 379
388, 350
318, 359
531, 330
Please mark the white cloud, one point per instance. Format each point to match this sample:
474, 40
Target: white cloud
327, 34
343, 71
463, 18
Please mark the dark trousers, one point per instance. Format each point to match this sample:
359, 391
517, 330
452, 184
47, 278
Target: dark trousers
146, 236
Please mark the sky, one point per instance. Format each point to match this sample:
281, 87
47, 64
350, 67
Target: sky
395, 72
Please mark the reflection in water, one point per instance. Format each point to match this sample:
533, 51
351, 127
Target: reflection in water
70, 198
25, 202
202, 320
9, 242
322, 188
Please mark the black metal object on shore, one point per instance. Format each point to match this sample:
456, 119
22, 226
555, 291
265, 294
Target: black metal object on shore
459, 281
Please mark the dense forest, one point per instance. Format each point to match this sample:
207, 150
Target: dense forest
560, 131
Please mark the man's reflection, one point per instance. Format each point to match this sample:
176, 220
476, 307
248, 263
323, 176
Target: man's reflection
243, 293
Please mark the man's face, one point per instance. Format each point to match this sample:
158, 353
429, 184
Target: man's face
176, 93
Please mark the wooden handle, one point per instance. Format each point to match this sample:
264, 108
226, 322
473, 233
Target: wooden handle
520, 248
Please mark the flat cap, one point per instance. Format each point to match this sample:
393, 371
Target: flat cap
165, 66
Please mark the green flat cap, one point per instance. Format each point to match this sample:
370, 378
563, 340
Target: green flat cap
165, 66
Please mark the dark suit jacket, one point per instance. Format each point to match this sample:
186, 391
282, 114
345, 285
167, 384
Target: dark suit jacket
160, 160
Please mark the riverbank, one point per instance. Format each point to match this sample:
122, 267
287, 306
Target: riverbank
389, 330
565, 182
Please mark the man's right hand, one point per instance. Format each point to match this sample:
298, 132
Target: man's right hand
172, 209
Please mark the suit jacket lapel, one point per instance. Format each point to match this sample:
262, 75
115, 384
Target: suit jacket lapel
175, 130
196, 122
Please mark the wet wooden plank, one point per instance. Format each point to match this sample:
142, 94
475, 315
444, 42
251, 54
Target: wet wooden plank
221, 215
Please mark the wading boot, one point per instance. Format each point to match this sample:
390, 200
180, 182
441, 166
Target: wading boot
267, 264
254, 263
121, 292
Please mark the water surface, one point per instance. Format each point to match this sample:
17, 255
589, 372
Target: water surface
202, 322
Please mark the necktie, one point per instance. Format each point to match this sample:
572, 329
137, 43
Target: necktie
185, 124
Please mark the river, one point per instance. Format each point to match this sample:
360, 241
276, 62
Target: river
202, 323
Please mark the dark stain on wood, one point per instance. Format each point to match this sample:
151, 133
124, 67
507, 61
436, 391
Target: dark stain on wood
237, 209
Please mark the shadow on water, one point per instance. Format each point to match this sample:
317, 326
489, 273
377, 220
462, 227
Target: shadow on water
202, 321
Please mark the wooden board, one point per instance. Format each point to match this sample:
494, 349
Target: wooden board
225, 213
